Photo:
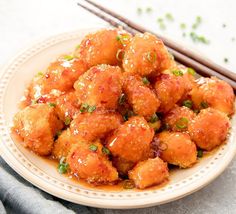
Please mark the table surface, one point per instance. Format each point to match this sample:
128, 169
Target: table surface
22, 22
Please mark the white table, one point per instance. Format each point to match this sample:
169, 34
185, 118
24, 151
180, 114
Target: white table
22, 22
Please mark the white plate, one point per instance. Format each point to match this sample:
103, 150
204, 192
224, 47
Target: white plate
18, 73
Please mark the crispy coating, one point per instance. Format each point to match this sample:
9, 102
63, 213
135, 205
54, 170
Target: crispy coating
143, 100
216, 93
93, 166
100, 86
149, 172
102, 46
67, 106
177, 148
169, 90
178, 118
37, 125
146, 54
131, 141
209, 128
64, 143
95, 125
59, 77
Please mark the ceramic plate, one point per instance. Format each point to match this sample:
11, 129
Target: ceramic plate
18, 73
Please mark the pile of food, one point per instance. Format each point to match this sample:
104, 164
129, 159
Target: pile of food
120, 108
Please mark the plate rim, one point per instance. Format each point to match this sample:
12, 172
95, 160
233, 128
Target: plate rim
101, 203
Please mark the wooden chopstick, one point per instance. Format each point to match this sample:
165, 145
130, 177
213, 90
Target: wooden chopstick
180, 57
180, 48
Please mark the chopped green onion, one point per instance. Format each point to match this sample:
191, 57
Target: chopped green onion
91, 109
52, 104
198, 19
120, 55
68, 57
159, 20
128, 184
34, 102
191, 71
151, 56
122, 39
182, 123
63, 166
122, 99
226, 60
178, 72
145, 81
194, 26
199, 153
106, 151
128, 114
154, 118
169, 17
197, 38
84, 107
183, 26
196, 111
93, 147
162, 26
39, 74
204, 104
187, 103
67, 121
58, 133
148, 9
139, 10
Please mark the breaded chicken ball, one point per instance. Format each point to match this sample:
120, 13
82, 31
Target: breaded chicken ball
149, 172
37, 126
209, 128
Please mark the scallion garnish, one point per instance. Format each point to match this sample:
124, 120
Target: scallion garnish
67, 121
87, 108
63, 166
191, 71
106, 151
91, 109
197, 38
122, 99
154, 118
120, 55
128, 114
52, 104
93, 147
145, 81
151, 56
169, 17
204, 104
58, 133
148, 9
122, 39
183, 26
199, 153
178, 72
139, 10
187, 103
68, 57
182, 123
39, 74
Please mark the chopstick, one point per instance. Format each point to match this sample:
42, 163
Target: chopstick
180, 48
180, 53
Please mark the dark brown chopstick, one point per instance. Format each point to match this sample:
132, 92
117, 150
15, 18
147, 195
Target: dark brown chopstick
179, 48
180, 57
